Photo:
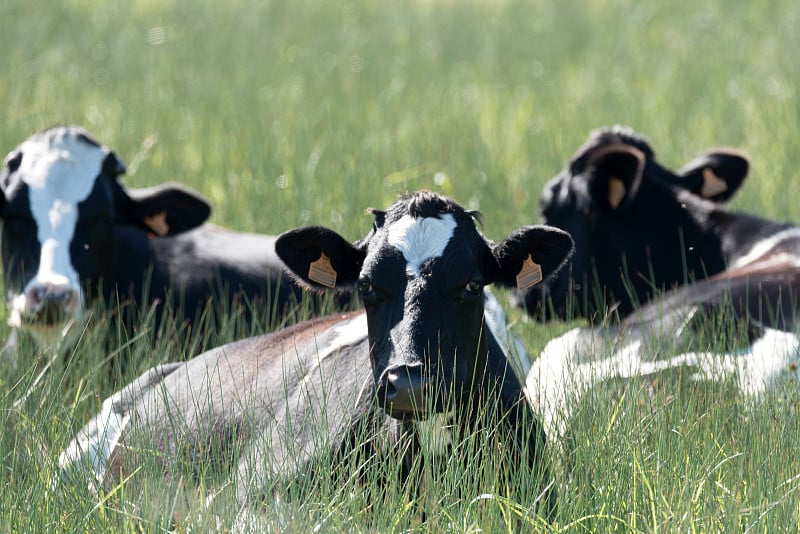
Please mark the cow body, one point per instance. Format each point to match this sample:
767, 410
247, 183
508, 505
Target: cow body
72, 234
640, 229
419, 351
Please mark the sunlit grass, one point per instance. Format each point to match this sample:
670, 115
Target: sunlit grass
289, 113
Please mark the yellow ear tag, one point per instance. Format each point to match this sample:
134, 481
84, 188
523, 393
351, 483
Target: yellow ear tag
616, 192
158, 223
322, 272
529, 275
713, 185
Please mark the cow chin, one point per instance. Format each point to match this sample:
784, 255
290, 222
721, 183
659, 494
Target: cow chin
46, 328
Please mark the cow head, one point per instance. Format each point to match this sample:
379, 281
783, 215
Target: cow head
420, 274
638, 226
61, 200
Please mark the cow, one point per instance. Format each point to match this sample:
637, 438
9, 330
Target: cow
640, 228
419, 354
73, 234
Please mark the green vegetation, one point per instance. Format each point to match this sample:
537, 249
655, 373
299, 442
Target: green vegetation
291, 112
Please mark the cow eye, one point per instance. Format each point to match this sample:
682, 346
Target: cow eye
365, 288
473, 288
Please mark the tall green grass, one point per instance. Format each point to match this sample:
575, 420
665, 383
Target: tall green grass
287, 113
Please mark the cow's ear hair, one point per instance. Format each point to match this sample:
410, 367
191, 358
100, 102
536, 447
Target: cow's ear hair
320, 258
613, 175
113, 165
530, 255
715, 175
166, 209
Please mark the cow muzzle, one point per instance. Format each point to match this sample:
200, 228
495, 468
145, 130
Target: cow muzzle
45, 305
408, 392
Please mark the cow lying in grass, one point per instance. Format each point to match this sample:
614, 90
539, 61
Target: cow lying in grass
268, 406
72, 233
640, 228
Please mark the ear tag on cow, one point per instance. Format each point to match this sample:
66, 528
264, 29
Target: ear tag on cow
713, 185
157, 223
322, 272
529, 275
616, 192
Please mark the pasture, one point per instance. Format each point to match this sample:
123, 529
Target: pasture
307, 112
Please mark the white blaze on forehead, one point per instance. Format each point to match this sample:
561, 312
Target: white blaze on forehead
421, 239
60, 171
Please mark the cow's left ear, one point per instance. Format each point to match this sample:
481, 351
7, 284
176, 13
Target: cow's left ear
166, 209
613, 175
716, 175
320, 258
531, 254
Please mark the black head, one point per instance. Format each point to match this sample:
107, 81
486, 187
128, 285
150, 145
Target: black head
60, 201
421, 274
638, 227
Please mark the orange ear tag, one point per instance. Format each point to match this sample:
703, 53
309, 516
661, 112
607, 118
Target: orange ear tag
158, 223
322, 272
616, 192
713, 185
529, 275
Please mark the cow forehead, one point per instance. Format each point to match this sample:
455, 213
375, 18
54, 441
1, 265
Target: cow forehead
420, 239
61, 166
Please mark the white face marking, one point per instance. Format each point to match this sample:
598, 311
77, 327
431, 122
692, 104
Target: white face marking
421, 239
60, 170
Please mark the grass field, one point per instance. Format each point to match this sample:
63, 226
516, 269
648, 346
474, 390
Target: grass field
295, 112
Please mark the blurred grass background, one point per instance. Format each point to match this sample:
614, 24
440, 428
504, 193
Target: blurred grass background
286, 113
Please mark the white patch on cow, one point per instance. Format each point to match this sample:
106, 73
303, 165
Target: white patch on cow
434, 434
495, 319
93, 450
60, 170
345, 334
562, 375
421, 239
764, 246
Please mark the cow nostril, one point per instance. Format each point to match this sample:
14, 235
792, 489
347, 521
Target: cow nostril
50, 298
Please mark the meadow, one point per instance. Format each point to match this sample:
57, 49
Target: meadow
284, 113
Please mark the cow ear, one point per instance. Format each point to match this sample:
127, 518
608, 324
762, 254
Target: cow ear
716, 175
320, 258
613, 175
113, 166
530, 255
166, 209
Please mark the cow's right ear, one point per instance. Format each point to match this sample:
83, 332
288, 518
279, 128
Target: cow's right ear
166, 209
715, 175
613, 175
320, 258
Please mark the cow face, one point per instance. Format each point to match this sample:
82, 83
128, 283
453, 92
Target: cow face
60, 204
421, 274
638, 226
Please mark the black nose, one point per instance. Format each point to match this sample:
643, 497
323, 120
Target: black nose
404, 389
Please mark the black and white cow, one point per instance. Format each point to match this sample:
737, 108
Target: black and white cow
640, 228
72, 233
420, 350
